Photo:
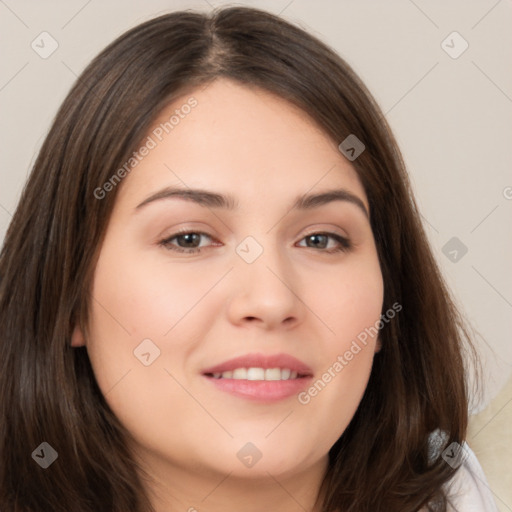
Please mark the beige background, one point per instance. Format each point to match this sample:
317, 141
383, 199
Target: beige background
451, 116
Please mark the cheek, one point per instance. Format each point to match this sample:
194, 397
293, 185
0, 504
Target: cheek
333, 398
139, 296
134, 305
350, 300
351, 305
337, 389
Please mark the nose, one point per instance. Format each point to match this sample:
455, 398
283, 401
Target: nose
267, 292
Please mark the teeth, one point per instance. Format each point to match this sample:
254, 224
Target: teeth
273, 374
240, 373
257, 374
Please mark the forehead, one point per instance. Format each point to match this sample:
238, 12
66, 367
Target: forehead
241, 140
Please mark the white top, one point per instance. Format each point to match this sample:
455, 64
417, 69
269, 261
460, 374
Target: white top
468, 490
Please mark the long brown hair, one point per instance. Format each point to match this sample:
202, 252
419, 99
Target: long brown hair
48, 390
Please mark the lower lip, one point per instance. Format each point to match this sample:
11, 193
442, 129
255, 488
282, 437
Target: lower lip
261, 390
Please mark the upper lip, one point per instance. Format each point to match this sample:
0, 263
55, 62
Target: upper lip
262, 361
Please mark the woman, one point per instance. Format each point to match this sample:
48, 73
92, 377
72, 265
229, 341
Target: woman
216, 292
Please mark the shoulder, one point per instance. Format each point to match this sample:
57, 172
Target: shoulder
468, 490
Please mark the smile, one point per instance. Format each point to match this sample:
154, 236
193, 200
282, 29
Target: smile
257, 374
265, 378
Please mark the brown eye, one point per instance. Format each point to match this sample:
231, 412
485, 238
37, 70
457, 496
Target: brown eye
186, 241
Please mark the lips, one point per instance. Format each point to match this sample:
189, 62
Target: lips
259, 377
265, 362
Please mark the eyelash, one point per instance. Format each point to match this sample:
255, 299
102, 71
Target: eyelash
345, 244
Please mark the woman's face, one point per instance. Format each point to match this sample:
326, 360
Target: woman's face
268, 278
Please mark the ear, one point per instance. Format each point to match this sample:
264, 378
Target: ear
378, 345
77, 338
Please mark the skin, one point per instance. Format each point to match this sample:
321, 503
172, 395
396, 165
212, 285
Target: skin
202, 309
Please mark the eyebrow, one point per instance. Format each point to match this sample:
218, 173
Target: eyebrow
210, 199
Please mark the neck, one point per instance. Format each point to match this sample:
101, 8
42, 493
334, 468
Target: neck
173, 489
